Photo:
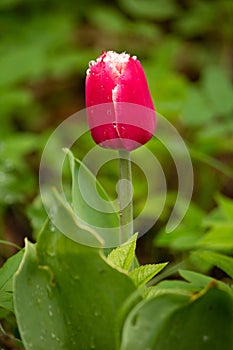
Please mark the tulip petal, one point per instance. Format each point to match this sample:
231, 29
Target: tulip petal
135, 119
125, 117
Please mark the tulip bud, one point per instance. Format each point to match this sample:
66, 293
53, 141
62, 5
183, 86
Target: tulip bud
120, 110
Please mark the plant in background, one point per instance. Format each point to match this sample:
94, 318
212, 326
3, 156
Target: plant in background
69, 296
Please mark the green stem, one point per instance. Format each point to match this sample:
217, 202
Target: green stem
125, 197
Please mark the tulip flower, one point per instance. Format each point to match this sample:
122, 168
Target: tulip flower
120, 110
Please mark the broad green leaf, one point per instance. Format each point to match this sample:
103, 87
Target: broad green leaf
215, 218
222, 261
195, 110
66, 296
196, 21
200, 281
222, 215
11, 99
91, 204
145, 273
220, 237
206, 323
168, 287
161, 9
177, 322
146, 320
37, 215
226, 206
182, 238
195, 282
211, 161
7, 272
123, 256
108, 18
218, 89
68, 223
39, 318
185, 236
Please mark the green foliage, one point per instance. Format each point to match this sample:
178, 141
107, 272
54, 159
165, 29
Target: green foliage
143, 274
185, 48
7, 272
160, 10
178, 321
71, 290
70, 225
123, 256
87, 189
14, 169
206, 240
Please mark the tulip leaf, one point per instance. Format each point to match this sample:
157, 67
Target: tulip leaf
68, 222
91, 203
219, 237
195, 282
199, 281
145, 320
161, 9
143, 274
123, 256
56, 306
173, 321
222, 261
7, 272
219, 94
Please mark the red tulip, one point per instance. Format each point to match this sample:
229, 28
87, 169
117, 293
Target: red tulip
120, 110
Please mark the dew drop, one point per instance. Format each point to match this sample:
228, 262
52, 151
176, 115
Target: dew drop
101, 270
51, 227
50, 313
49, 290
76, 277
92, 345
205, 338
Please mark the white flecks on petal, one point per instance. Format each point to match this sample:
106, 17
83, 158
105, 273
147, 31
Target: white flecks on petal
92, 63
116, 58
115, 61
114, 93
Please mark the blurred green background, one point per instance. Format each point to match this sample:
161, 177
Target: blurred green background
185, 47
